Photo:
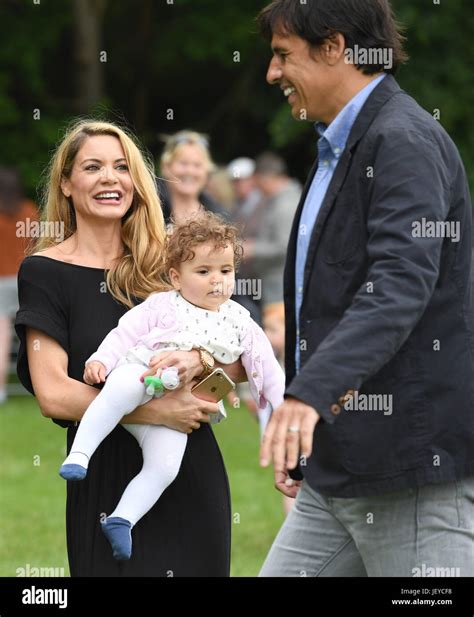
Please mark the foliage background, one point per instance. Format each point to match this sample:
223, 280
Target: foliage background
180, 56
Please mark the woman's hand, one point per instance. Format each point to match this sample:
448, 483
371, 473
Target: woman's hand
94, 373
188, 364
178, 409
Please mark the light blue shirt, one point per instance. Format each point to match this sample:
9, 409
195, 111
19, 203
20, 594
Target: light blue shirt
331, 145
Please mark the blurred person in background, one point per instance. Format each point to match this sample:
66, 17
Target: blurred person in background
246, 213
267, 251
220, 189
14, 239
247, 195
265, 254
185, 166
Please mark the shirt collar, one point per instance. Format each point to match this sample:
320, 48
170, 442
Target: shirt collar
336, 134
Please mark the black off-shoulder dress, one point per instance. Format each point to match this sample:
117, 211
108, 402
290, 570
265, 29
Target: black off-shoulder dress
187, 532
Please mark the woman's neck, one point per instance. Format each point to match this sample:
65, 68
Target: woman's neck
95, 245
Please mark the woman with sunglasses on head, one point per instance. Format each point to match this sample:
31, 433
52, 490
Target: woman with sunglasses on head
185, 167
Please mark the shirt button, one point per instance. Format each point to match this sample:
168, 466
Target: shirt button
254, 374
337, 150
300, 290
335, 409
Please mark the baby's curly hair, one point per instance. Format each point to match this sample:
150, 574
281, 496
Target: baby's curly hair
207, 227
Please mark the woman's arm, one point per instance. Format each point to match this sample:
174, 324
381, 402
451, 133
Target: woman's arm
59, 396
189, 366
235, 371
178, 409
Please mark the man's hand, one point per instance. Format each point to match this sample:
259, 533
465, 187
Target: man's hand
286, 485
94, 373
289, 434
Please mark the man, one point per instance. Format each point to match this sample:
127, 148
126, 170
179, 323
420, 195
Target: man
267, 251
247, 197
379, 403
247, 213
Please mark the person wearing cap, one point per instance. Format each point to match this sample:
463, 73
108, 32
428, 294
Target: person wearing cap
267, 251
247, 195
247, 214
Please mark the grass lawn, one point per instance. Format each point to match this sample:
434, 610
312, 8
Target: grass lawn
32, 495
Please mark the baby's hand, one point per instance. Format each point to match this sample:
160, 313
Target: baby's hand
94, 373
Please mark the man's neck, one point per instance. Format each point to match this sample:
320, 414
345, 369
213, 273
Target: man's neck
347, 91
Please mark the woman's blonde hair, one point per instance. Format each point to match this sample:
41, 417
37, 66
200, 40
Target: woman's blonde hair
185, 138
136, 273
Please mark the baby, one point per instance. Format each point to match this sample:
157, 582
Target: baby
201, 259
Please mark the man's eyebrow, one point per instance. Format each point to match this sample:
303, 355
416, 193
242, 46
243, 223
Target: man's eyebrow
279, 50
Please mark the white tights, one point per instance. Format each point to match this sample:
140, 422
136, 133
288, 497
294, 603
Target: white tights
163, 448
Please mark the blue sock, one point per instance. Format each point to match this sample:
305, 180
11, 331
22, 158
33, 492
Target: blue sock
75, 466
118, 532
73, 472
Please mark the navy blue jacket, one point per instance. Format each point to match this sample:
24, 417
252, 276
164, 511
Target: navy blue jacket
386, 312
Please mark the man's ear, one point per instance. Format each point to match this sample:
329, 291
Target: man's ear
65, 187
175, 278
333, 48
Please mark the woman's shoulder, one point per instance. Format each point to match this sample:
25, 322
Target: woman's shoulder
41, 264
50, 266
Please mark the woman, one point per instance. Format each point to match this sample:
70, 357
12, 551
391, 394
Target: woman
185, 166
71, 295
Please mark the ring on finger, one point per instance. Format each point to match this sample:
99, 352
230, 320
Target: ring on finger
293, 429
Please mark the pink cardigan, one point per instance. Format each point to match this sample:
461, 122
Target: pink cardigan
155, 321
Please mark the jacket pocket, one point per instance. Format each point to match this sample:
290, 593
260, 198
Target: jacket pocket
385, 430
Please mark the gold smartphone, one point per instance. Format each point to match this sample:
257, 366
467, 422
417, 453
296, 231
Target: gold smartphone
214, 387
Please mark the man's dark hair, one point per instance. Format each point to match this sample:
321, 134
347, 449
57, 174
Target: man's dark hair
369, 24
